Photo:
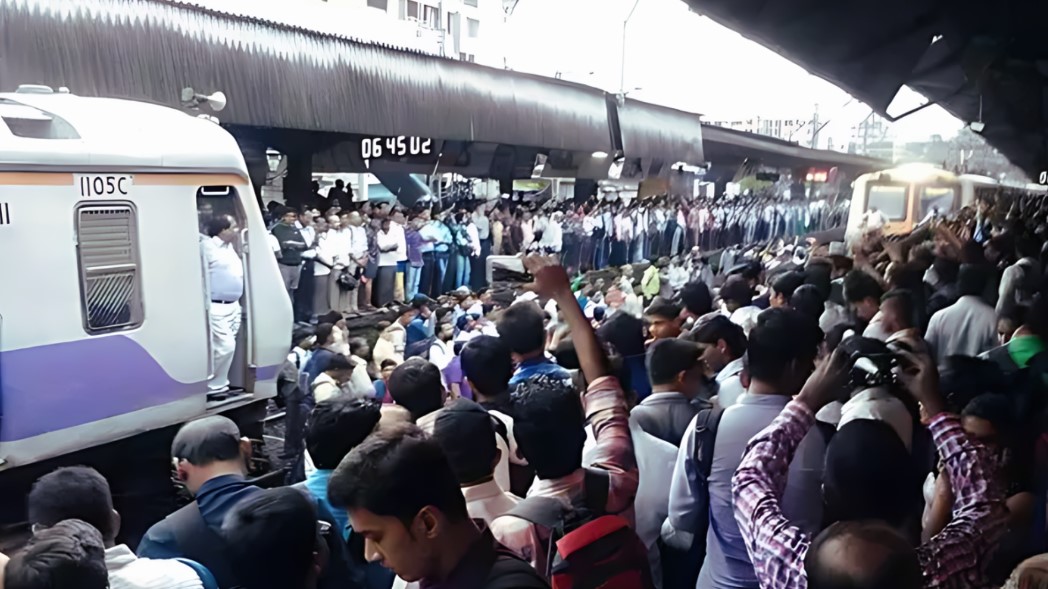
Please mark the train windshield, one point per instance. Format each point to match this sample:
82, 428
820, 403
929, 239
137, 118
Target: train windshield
889, 199
940, 199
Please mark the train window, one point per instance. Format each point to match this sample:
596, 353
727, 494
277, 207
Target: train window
939, 198
889, 199
110, 279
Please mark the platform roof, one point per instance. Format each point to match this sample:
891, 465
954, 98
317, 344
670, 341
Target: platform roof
969, 56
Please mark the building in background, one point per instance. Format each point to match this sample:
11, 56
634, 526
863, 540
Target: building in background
459, 29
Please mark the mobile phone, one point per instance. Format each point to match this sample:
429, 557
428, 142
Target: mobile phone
507, 270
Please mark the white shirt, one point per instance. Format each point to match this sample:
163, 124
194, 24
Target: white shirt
440, 353
875, 330
358, 241
474, 238
225, 270
487, 501
126, 571
360, 384
729, 380
402, 243
385, 240
328, 252
967, 327
483, 224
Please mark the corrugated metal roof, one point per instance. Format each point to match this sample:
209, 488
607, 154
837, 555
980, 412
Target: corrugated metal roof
729, 145
280, 76
659, 132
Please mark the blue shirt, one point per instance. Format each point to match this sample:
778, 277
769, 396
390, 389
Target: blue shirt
317, 483
727, 565
375, 575
538, 366
417, 330
215, 498
318, 362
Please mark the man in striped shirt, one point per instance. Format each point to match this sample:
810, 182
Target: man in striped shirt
865, 546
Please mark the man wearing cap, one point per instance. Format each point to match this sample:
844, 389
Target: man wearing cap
677, 378
210, 458
421, 328
724, 351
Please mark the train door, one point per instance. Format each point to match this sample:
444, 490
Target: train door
215, 202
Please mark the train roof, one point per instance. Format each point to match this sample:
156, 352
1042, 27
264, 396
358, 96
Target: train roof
40, 129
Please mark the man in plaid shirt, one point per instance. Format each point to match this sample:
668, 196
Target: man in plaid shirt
868, 553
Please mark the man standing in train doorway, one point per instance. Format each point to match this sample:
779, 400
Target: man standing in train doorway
225, 273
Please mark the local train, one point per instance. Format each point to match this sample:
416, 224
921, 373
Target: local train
910, 193
105, 342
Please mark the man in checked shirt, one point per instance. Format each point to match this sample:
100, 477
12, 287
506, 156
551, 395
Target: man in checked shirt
868, 549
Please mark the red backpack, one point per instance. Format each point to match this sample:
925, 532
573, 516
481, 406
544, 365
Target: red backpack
588, 548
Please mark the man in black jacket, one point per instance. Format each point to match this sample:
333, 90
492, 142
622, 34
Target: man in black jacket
211, 457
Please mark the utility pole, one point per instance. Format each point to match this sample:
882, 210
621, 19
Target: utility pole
815, 128
508, 6
622, 78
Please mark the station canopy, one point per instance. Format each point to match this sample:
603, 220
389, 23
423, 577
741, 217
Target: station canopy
280, 78
980, 60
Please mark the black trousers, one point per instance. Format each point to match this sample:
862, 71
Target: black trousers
303, 303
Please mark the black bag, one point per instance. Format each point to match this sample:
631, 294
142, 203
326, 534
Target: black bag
346, 281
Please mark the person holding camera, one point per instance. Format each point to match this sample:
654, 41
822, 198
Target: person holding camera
869, 494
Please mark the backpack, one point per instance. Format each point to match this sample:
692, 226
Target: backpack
510, 572
706, 423
588, 549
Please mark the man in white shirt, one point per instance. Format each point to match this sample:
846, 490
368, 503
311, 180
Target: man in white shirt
397, 229
80, 492
724, 355
1020, 281
354, 239
483, 224
967, 327
225, 272
388, 246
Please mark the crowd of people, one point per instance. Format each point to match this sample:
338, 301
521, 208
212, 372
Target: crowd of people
336, 254
813, 415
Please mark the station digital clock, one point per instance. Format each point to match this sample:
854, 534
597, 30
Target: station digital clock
394, 147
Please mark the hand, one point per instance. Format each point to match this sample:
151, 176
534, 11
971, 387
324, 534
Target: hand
551, 279
827, 383
920, 377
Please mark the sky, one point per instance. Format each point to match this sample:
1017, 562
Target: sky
681, 59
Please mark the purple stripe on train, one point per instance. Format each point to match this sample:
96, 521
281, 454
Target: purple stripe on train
58, 386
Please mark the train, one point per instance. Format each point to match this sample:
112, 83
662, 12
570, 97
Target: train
105, 337
908, 194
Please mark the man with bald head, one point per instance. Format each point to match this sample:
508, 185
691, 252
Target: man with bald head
862, 555
210, 458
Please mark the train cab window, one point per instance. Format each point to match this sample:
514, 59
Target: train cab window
110, 279
941, 199
889, 199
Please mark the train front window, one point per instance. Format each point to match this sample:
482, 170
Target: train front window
937, 199
889, 199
